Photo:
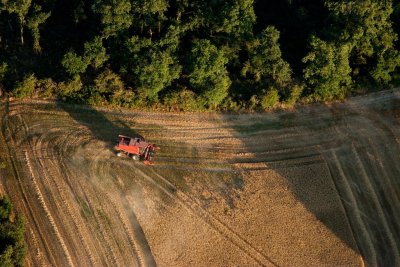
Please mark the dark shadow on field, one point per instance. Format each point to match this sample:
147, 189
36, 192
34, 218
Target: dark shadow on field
100, 126
107, 131
278, 155
321, 142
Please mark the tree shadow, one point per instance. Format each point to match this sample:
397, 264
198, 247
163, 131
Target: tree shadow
328, 142
265, 137
99, 125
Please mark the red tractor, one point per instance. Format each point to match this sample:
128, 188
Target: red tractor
136, 148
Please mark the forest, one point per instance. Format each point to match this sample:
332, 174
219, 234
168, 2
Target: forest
12, 245
198, 55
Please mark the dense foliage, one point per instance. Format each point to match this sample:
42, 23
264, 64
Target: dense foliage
12, 246
219, 54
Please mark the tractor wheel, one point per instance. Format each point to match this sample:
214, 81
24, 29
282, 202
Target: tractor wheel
135, 157
119, 154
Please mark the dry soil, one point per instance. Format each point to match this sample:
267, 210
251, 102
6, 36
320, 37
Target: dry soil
315, 186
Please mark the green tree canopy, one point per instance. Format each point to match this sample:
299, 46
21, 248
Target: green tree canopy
265, 62
327, 71
207, 72
153, 65
115, 15
94, 55
34, 21
12, 245
150, 14
366, 26
151, 49
19, 8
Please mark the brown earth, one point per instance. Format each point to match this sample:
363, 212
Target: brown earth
317, 186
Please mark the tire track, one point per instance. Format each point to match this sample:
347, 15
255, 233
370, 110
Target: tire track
75, 184
131, 237
22, 192
135, 238
361, 179
47, 211
81, 230
384, 137
46, 180
188, 203
63, 146
353, 212
38, 254
75, 220
381, 228
377, 208
388, 184
90, 198
67, 142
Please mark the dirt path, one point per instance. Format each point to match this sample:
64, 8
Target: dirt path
314, 187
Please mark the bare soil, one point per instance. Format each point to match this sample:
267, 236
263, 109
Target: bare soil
316, 186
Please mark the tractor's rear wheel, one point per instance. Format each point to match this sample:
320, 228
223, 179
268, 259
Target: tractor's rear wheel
135, 157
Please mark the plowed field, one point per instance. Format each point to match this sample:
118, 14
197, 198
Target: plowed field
318, 186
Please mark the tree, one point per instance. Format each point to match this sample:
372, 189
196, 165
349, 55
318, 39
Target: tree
73, 63
115, 15
153, 64
20, 8
234, 17
366, 26
207, 72
12, 245
265, 60
327, 70
156, 72
238, 17
150, 14
94, 55
33, 24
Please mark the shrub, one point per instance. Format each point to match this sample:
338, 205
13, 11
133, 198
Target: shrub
26, 88
47, 88
295, 94
108, 82
229, 105
122, 98
270, 99
95, 98
3, 70
184, 100
74, 64
71, 90
253, 102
